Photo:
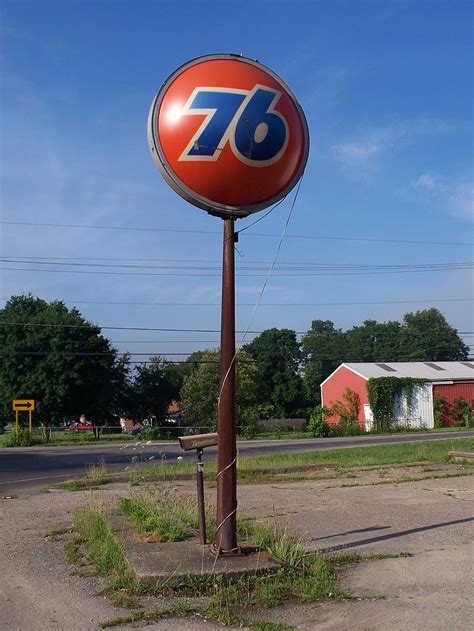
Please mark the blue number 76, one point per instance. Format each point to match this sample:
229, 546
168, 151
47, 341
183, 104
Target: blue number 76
258, 135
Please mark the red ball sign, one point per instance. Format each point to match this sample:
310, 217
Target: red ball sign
228, 135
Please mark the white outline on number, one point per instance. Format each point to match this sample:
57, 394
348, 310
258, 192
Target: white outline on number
209, 113
229, 134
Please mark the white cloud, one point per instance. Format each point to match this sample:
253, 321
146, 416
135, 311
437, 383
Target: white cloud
427, 182
461, 200
360, 155
456, 195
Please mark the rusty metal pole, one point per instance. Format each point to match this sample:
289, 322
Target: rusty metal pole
200, 496
226, 529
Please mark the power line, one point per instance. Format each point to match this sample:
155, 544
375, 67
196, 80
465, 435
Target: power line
94, 354
134, 328
255, 266
66, 341
217, 263
253, 234
244, 264
461, 266
118, 328
262, 304
166, 354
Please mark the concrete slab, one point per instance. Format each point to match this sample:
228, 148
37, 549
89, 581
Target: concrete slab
155, 562
461, 456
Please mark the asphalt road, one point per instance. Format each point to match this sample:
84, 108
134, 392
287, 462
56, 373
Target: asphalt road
29, 468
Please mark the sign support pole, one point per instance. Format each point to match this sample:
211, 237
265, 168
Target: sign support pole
200, 496
17, 430
226, 531
30, 422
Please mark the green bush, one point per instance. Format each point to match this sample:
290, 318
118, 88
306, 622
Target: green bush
24, 439
317, 425
463, 412
250, 429
160, 433
439, 404
346, 427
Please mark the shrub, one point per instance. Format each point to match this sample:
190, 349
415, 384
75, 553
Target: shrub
317, 426
24, 439
346, 427
439, 407
250, 429
463, 412
348, 409
160, 433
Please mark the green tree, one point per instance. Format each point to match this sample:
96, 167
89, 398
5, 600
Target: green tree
52, 354
278, 356
421, 336
155, 385
201, 389
427, 336
323, 349
373, 342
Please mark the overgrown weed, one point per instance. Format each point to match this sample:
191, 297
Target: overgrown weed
103, 548
73, 552
96, 473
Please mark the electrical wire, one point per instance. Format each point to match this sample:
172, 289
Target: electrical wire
261, 218
254, 234
199, 275
249, 266
137, 328
262, 304
217, 264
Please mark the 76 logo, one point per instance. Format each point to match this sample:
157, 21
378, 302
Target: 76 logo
257, 134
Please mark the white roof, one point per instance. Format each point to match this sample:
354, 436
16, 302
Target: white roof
434, 371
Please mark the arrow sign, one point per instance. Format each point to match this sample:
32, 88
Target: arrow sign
27, 405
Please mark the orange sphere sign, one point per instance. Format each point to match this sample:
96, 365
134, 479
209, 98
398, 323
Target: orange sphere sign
228, 135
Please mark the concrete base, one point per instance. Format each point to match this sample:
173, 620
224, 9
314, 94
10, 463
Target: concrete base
156, 562
462, 456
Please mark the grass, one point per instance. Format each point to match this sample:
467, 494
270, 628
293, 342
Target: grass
252, 468
300, 576
69, 439
168, 515
73, 552
120, 599
405, 453
280, 543
96, 473
55, 533
157, 518
177, 609
349, 559
263, 468
103, 548
226, 618
409, 478
263, 625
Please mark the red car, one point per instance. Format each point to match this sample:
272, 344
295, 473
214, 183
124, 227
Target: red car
81, 426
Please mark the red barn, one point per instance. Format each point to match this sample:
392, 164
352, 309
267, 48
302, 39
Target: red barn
450, 380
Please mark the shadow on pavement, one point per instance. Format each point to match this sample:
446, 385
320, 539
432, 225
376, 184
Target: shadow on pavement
402, 533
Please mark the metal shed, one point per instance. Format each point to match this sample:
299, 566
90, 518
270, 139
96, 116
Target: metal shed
448, 379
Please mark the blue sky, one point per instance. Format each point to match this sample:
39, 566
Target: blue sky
387, 91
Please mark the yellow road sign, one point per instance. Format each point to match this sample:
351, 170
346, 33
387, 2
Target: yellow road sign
26, 405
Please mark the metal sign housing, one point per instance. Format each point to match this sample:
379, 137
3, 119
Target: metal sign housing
228, 135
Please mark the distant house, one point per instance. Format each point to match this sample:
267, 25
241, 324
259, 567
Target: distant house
175, 413
450, 380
